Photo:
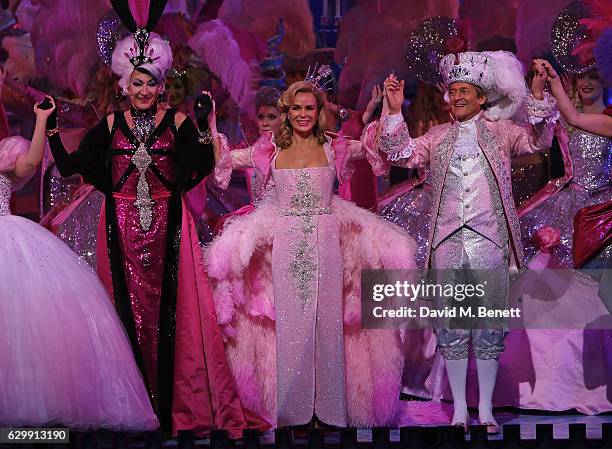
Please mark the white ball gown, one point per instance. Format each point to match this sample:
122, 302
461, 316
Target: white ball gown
65, 357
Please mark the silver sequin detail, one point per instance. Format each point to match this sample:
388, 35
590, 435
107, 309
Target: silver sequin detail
592, 158
304, 265
5, 195
393, 142
144, 124
142, 159
542, 109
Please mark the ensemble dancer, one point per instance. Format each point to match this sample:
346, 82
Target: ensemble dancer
143, 160
591, 171
286, 279
66, 359
469, 162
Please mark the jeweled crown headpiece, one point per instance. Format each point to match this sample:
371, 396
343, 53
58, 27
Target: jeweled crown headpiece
320, 76
141, 54
469, 67
498, 73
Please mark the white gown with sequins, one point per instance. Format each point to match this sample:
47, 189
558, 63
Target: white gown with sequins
65, 358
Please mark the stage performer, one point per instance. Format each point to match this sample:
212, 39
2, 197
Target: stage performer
469, 162
591, 160
66, 359
143, 160
287, 279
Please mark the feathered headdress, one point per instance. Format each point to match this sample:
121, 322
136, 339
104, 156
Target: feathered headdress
498, 73
598, 47
142, 49
231, 54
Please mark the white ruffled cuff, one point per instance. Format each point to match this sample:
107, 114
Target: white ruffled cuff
544, 110
394, 137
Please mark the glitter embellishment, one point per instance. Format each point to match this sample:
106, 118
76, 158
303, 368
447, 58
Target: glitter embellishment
306, 205
5, 195
142, 159
144, 123
393, 142
542, 109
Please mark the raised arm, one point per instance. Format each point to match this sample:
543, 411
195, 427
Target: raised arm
542, 116
227, 159
27, 163
392, 137
89, 160
600, 124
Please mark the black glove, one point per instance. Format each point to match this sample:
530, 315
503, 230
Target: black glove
202, 107
52, 120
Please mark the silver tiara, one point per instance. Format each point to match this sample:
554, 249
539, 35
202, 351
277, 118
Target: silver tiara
320, 76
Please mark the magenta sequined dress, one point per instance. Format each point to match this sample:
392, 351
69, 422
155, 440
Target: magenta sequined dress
286, 281
143, 251
150, 257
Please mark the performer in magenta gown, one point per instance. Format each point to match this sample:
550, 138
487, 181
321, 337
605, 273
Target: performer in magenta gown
143, 160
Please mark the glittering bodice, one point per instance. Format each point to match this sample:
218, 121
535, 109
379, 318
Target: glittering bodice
5, 194
304, 191
592, 159
160, 170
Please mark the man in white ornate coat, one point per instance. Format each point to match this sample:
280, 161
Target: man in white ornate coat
474, 221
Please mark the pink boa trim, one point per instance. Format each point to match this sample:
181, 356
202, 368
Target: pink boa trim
239, 263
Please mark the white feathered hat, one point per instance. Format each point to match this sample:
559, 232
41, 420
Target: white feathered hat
498, 73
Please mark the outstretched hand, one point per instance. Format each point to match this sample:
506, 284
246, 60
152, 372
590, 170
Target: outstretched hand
45, 109
203, 106
394, 94
538, 81
551, 73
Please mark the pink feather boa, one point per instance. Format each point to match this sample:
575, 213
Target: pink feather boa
239, 265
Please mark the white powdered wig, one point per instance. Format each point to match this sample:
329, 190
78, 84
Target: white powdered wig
157, 48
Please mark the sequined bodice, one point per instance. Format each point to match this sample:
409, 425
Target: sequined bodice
304, 191
592, 159
5, 194
162, 163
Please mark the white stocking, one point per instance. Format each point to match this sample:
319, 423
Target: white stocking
487, 374
457, 375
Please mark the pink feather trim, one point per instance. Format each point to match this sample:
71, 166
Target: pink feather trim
215, 44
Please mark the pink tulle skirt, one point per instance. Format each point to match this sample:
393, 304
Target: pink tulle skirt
65, 356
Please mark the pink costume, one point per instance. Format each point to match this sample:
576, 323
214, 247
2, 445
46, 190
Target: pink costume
545, 369
286, 282
499, 140
66, 359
